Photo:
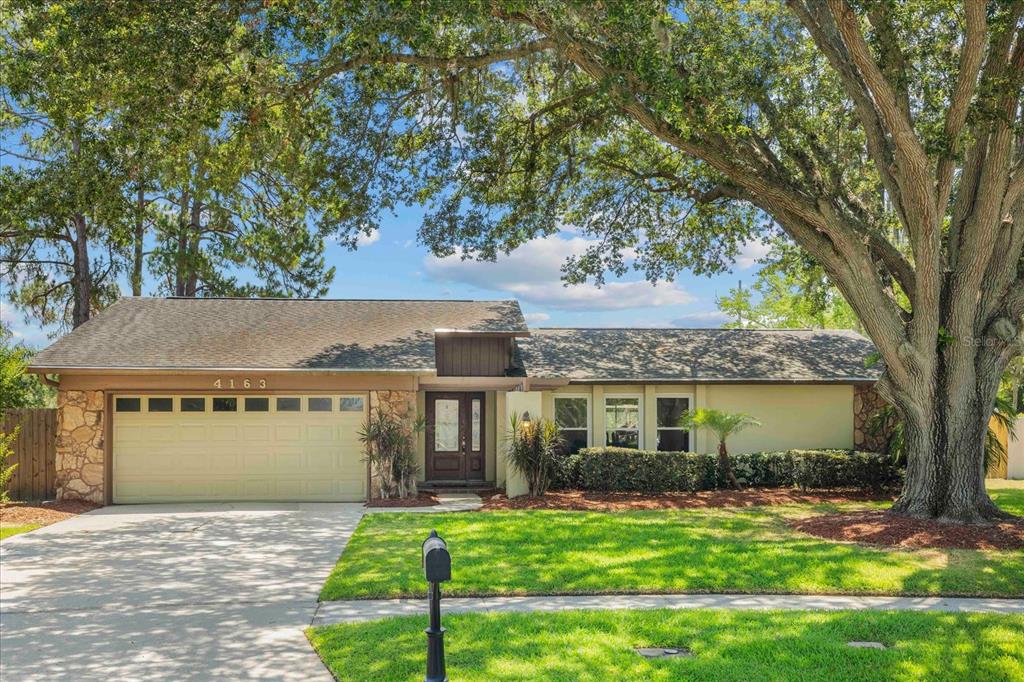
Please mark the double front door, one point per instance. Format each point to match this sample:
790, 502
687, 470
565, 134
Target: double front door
455, 436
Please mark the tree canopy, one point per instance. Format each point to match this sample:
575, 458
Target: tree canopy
884, 138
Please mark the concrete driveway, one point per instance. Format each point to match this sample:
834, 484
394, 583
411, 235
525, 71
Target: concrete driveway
190, 591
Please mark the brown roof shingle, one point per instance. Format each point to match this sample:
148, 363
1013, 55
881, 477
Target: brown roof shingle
216, 333
700, 355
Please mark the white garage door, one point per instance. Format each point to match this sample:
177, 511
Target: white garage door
249, 447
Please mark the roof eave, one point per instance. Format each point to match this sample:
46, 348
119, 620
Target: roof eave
57, 369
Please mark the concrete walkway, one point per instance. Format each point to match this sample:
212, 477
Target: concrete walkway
180, 592
447, 502
353, 611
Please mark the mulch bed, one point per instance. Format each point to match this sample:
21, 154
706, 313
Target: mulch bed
577, 500
42, 513
883, 528
422, 499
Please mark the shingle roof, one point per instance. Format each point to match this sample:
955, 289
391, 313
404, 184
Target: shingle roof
702, 355
212, 333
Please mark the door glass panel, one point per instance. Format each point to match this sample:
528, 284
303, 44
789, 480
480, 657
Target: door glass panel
446, 425
476, 424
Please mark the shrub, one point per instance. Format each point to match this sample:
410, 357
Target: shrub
389, 443
565, 473
6, 470
532, 451
626, 470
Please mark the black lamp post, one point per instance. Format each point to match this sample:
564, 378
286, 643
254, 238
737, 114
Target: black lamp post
437, 568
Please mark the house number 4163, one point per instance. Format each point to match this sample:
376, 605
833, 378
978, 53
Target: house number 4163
242, 383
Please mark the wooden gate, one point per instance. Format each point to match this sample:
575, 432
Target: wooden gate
35, 453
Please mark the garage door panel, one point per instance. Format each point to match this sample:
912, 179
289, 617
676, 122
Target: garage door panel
320, 433
287, 432
224, 433
192, 432
175, 456
252, 432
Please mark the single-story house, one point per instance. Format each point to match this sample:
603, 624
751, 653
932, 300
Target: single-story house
173, 399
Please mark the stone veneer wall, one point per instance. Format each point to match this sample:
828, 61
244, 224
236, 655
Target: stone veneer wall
401, 404
80, 451
866, 402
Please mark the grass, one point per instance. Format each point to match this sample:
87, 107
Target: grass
8, 531
701, 550
726, 645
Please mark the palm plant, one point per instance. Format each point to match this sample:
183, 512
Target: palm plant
532, 449
723, 425
389, 443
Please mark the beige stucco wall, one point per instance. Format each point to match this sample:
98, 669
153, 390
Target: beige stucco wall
806, 416
794, 416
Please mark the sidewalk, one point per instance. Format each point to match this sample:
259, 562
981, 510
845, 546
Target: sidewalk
359, 610
447, 502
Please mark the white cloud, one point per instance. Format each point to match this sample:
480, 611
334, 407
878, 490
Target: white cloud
750, 253
709, 318
28, 333
367, 239
537, 317
532, 273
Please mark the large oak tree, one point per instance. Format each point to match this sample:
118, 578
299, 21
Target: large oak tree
882, 137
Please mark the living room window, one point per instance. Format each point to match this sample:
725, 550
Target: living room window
672, 437
622, 421
572, 415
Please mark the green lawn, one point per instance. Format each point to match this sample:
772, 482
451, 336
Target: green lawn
726, 645
8, 531
702, 550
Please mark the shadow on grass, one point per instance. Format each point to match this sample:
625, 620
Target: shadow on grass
741, 550
726, 645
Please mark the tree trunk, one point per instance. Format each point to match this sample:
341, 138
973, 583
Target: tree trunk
140, 233
725, 467
82, 279
945, 447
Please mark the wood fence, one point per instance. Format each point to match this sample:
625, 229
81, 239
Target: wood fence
35, 453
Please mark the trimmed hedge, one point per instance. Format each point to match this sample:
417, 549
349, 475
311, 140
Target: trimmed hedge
627, 470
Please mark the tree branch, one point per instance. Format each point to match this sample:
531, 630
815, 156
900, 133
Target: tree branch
331, 67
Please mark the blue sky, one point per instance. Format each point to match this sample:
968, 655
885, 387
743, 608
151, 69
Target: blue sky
392, 264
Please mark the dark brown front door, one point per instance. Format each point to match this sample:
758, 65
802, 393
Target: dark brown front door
455, 436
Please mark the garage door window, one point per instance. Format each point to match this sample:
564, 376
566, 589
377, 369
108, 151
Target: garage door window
193, 404
319, 404
257, 404
161, 404
129, 404
351, 404
289, 405
225, 404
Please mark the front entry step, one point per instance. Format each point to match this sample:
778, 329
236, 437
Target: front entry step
455, 486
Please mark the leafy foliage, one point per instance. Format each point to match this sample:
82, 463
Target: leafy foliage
628, 470
161, 133
6, 470
389, 443
533, 448
17, 387
794, 292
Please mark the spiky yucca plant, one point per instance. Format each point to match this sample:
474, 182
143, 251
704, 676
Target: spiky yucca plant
389, 443
532, 448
